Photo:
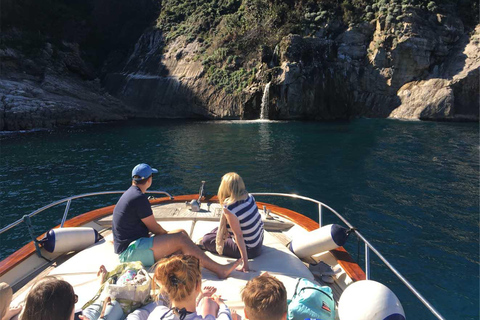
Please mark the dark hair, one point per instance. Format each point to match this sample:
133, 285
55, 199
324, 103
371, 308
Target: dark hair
140, 182
49, 299
265, 297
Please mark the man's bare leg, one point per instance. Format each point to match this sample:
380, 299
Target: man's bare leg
166, 244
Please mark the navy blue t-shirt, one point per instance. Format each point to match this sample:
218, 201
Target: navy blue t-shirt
127, 223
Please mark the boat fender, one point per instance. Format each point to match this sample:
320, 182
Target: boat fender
323, 239
69, 239
369, 300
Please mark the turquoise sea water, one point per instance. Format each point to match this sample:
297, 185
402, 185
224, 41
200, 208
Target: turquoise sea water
412, 188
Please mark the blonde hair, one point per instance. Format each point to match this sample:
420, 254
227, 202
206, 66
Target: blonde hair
265, 297
5, 298
232, 188
178, 276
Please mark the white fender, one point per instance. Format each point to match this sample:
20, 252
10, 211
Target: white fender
69, 239
369, 300
326, 238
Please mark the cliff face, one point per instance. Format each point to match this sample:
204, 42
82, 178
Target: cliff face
169, 84
221, 60
47, 91
51, 54
451, 91
428, 71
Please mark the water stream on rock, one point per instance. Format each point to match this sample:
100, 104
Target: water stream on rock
265, 102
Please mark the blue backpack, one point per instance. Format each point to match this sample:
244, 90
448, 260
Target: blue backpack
311, 301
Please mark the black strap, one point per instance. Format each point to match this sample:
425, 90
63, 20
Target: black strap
353, 229
182, 313
318, 289
161, 318
296, 287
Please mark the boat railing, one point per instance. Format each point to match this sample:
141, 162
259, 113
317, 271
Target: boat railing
26, 218
368, 246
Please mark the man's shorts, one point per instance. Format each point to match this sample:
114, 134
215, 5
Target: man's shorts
139, 250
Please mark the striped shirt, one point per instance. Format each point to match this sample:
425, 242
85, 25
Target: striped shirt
250, 220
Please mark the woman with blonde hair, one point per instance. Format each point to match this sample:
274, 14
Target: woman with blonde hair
6, 312
180, 279
240, 217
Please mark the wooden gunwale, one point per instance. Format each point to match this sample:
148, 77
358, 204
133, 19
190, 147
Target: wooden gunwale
344, 259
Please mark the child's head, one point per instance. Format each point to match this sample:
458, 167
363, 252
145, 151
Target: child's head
265, 297
50, 299
231, 188
179, 276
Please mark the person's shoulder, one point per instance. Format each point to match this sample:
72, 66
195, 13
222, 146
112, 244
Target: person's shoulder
134, 193
250, 199
196, 316
135, 190
159, 311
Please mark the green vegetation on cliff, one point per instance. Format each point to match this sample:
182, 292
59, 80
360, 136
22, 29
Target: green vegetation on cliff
238, 35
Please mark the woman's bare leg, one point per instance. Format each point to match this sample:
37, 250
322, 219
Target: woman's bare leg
166, 244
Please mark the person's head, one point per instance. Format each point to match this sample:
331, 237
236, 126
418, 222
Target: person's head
5, 298
265, 297
50, 299
142, 175
232, 188
179, 276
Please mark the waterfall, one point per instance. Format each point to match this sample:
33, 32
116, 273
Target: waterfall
265, 102
274, 60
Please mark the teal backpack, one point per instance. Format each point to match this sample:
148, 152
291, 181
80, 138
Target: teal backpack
311, 301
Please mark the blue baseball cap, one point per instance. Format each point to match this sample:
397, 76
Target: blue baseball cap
142, 170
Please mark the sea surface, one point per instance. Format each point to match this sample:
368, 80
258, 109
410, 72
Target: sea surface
412, 188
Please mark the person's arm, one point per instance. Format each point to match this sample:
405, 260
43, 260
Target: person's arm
223, 310
153, 225
237, 231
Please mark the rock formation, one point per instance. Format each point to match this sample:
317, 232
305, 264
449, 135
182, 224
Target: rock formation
455, 96
49, 96
428, 71
420, 64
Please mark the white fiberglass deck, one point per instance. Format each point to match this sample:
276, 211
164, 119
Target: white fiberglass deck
81, 269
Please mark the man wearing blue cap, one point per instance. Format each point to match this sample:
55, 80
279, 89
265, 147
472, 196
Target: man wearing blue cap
133, 220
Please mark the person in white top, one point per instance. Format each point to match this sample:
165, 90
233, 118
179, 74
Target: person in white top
180, 278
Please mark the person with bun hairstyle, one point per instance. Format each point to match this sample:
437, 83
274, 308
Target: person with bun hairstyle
240, 217
180, 278
50, 299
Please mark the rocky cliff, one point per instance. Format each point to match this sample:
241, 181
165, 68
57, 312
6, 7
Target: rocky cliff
413, 68
48, 92
51, 56
220, 60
